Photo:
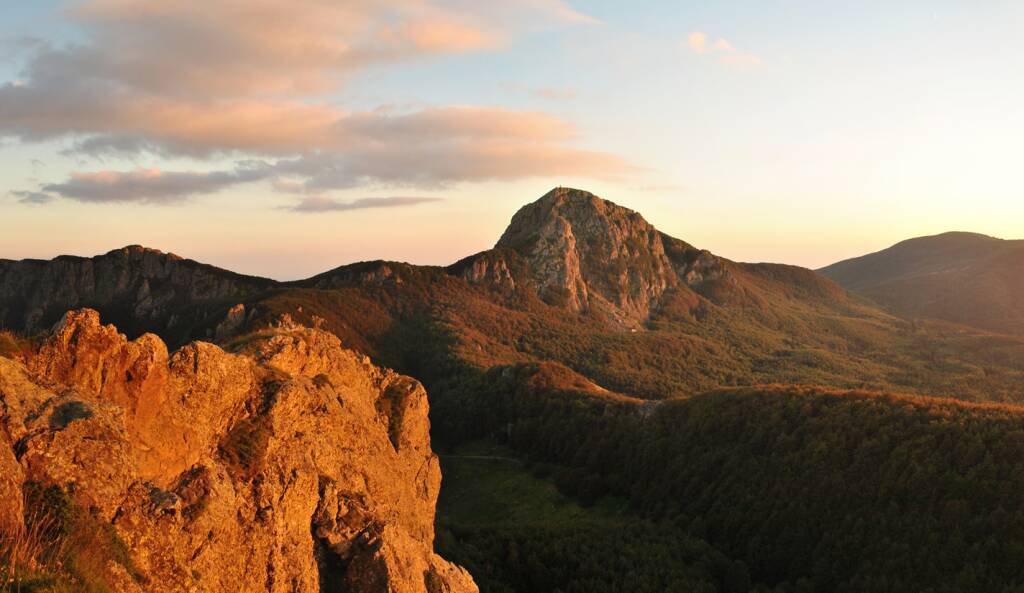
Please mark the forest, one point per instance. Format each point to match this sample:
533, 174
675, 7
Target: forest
812, 489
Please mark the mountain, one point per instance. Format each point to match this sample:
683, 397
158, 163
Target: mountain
591, 255
140, 289
157, 467
713, 415
964, 278
575, 280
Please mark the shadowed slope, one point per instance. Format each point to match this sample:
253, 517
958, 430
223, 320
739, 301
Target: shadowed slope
960, 277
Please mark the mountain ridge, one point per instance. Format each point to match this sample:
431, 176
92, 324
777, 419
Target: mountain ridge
570, 247
652, 302
965, 278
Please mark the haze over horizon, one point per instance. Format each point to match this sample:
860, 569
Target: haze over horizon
284, 142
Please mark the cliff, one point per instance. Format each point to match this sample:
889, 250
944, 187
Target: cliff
290, 465
137, 288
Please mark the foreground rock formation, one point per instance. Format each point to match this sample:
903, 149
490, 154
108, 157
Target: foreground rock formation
293, 465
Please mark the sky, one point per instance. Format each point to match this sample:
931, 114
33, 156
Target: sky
286, 138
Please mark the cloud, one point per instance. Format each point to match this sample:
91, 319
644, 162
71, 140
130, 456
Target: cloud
150, 185
216, 48
564, 11
701, 44
322, 204
32, 197
437, 147
555, 94
254, 79
698, 42
427, 148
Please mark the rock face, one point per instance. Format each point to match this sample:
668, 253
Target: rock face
293, 466
142, 289
587, 253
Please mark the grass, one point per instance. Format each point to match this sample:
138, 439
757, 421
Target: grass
60, 548
245, 447
24, 554
13, 346
487, 484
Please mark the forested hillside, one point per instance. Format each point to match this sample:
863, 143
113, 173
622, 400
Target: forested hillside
815, 490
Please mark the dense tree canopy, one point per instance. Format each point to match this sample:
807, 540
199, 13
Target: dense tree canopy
814, 490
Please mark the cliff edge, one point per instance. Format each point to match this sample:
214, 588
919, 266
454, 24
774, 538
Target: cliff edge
290, 464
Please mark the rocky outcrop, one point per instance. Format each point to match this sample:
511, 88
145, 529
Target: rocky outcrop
584, 252
593, 256
293, 465
589, 254
501, 270
142, 289
372, 273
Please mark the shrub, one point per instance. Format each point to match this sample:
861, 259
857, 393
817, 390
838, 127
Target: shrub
245, 447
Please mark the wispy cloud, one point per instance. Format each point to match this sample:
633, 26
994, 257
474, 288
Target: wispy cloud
149, 185
562, 10
32, 197
555, 94
702, 44
429, 148
322, 204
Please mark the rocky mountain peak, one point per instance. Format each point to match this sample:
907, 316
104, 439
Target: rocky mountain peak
135, 251
588, 253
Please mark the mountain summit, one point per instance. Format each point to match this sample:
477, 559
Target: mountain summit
586, 252
592, 255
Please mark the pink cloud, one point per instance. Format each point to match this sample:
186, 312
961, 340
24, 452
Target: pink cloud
252, 79
427, 148
149, 185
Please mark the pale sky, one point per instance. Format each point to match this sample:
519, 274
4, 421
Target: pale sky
286, 138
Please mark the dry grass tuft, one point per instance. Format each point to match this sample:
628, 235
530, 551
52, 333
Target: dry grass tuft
30, 553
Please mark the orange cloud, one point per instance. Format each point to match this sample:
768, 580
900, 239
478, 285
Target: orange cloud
149, 185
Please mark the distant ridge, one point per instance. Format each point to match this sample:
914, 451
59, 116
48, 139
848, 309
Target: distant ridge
140, 289
965, 278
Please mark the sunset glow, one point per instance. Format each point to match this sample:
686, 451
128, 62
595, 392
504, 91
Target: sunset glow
240, 133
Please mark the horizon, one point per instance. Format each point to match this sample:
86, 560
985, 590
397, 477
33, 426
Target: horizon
444, 264
412, 131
